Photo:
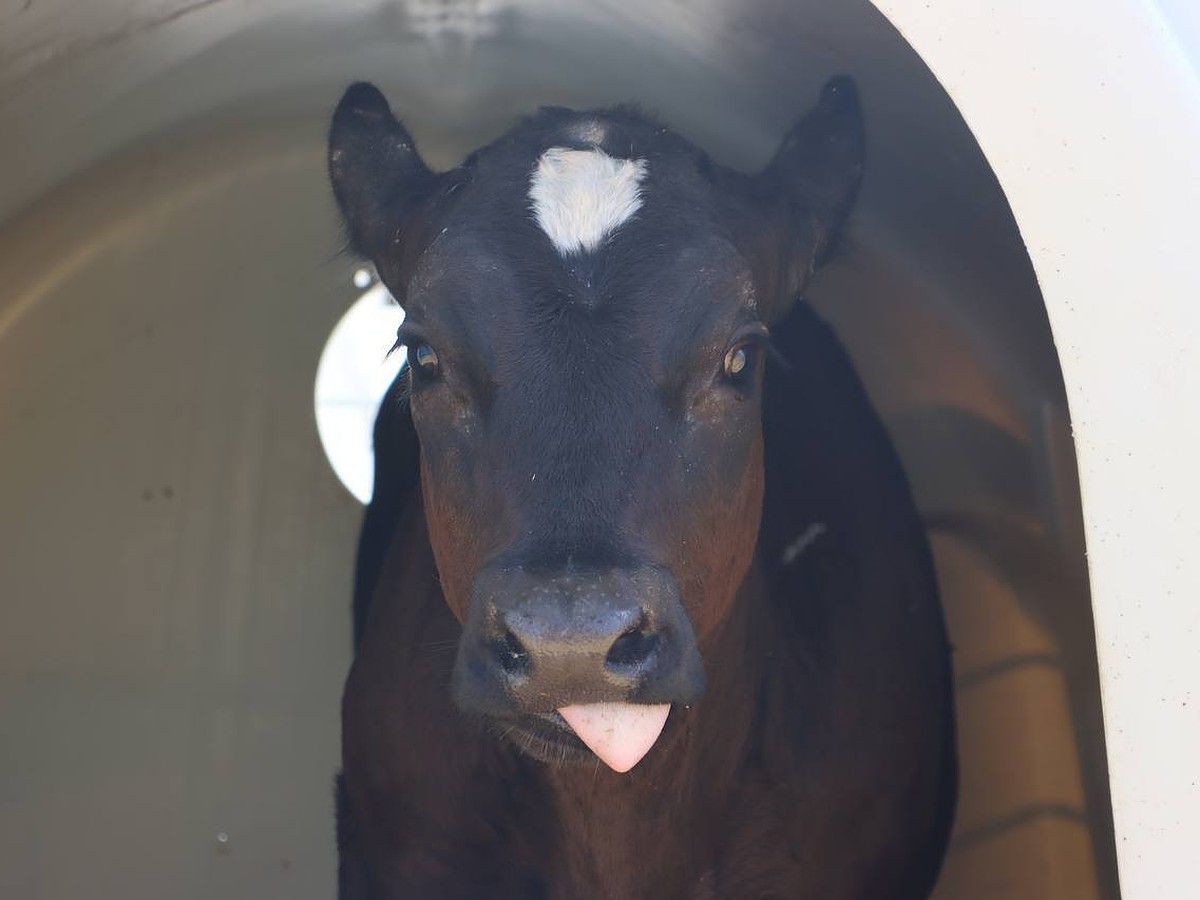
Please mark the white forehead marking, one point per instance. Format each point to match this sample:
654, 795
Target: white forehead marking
580, 197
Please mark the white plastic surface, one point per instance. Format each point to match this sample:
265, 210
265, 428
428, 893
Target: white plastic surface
1089, 113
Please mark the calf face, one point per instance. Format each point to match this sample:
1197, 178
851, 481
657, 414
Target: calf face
588, 308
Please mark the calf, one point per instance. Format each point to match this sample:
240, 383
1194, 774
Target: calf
643, 606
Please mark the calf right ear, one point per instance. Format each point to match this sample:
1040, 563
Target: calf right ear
378, 177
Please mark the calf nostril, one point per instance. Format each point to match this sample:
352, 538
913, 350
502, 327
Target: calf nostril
632, 648
514, 658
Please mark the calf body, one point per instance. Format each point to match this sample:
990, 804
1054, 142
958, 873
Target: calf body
599, 487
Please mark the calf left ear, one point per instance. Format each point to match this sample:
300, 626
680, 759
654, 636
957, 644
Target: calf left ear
378, 177
810, 185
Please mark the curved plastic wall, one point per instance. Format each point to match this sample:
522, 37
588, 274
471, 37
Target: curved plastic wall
174, 621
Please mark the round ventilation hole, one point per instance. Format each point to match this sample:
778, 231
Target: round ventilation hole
352, 377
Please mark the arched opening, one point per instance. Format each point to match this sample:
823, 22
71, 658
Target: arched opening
175, 620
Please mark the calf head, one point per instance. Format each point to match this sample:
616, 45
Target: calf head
588, 305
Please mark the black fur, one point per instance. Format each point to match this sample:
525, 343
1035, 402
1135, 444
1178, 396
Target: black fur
820, 761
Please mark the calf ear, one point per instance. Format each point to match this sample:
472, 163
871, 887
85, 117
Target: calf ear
378, 177
811, 183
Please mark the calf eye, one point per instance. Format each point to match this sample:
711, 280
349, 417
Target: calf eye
424, 359
739, 362
736, 361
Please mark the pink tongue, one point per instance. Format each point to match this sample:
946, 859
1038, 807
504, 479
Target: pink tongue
619, 733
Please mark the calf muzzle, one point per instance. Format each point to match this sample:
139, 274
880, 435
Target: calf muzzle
536, 642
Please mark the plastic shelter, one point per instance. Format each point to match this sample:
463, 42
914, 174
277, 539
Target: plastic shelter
1019, 289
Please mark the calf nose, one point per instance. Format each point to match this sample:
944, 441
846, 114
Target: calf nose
613, 643
538, 643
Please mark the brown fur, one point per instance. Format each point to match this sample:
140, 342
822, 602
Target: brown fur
580, 431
